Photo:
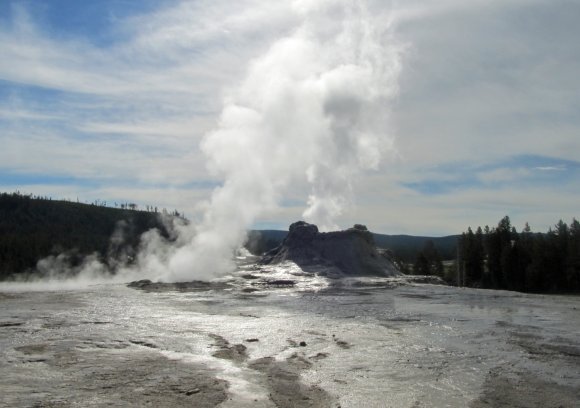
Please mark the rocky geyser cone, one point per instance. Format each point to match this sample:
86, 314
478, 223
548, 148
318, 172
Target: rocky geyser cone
353, 251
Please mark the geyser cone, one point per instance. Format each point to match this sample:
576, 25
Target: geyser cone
353, 251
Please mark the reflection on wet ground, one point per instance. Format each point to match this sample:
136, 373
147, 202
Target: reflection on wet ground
255, 339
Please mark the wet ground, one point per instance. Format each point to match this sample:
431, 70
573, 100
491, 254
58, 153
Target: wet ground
284, 338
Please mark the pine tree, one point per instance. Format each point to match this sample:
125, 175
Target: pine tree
573, 261
428, 261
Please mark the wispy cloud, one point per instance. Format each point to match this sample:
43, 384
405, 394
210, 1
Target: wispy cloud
551, 168
513, 171
487, 104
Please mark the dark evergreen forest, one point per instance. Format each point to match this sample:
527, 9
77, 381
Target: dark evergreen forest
32, 228
502, 258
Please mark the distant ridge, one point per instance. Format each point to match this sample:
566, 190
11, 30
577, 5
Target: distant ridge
407, 246
404, 246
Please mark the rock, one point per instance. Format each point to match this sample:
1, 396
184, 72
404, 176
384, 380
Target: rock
280, 282
191, 392
352, 251
140, 283
302, 344
250, 290
428, 279
193, 286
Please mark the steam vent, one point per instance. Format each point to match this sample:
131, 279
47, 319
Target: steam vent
353, 251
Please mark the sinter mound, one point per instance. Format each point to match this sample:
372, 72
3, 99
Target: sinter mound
353, 251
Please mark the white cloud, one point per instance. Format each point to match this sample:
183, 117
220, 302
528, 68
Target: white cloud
487, 79
24, 114
136, 110
551, 168
482, 81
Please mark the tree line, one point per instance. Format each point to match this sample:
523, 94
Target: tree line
503, 258
100, 203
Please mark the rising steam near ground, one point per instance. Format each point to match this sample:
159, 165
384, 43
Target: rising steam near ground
310, 112
122, 262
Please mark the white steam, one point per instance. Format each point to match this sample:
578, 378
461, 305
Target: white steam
311, 111
312, 108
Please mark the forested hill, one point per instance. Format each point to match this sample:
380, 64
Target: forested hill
408, 246
34, 228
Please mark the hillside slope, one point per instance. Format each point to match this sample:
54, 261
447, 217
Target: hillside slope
34, 228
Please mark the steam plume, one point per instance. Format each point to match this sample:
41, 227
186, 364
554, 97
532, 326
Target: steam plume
311, 109
310, 112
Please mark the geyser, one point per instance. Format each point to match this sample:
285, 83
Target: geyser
310, 114
309, 118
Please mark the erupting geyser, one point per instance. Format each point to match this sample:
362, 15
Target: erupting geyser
308, 119
310, 115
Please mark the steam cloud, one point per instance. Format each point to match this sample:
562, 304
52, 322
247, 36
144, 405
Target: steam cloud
312, 108
310, 112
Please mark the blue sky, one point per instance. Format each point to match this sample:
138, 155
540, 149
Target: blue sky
109, 100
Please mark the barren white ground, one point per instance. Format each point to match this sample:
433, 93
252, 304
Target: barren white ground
365, 343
